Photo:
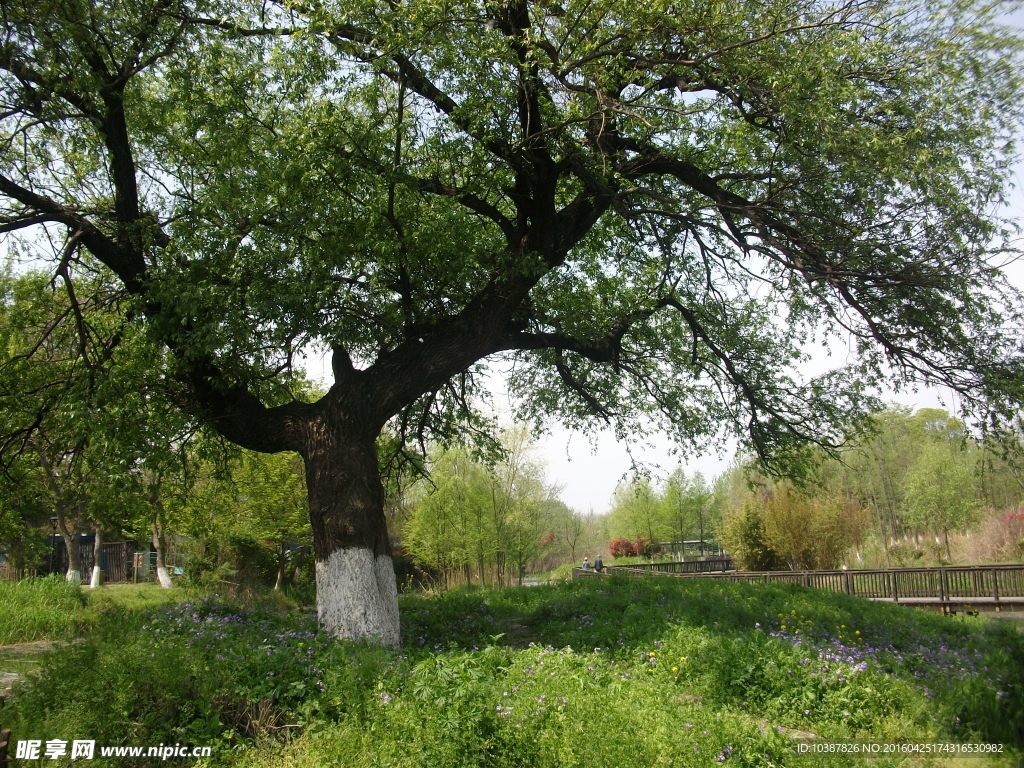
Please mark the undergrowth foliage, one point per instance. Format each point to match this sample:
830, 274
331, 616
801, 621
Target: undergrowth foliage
597, 672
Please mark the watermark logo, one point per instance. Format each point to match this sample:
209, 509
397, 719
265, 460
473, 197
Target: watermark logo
86, 749
51, 749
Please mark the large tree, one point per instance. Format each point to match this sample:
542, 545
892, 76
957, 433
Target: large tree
653, 207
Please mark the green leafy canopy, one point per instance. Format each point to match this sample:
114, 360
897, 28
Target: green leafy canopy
653, 208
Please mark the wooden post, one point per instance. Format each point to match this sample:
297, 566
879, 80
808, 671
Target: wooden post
892, 581
995, 588
5, 738
944, 590
847, 584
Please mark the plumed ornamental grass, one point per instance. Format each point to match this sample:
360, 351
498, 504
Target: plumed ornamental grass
603, 672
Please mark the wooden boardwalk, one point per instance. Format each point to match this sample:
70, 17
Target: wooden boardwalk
985, 587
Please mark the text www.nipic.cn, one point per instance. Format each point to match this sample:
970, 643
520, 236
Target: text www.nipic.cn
85, 749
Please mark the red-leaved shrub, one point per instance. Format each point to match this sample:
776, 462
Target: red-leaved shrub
621, 548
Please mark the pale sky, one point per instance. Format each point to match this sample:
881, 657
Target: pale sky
588, 467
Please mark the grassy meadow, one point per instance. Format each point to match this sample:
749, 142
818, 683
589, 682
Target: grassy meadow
610, 672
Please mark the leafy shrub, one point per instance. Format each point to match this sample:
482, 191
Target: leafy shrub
810, 532
626, 548
743, 534
622, 548
229, 564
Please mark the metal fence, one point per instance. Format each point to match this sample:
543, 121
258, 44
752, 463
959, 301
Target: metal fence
115, 561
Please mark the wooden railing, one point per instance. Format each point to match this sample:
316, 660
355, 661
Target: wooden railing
995, 586
707, 565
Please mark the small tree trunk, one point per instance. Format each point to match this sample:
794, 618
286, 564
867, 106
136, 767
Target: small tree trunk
18, 557
885, 538
159, 533
356, 591
97, 550
73, 548
160, 545
281, 562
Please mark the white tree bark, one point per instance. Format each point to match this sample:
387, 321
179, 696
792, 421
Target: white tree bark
163, 576
97, 551
73, 576
357, 596
160, 545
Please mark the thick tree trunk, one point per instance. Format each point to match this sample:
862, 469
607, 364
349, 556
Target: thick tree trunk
97, 550
356, 591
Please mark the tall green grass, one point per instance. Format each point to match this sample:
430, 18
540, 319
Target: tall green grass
38, 609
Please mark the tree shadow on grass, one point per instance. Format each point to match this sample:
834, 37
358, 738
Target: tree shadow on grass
615, 612
631, 616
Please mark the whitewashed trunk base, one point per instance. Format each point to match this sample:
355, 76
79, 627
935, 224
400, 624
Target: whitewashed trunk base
357, 597
73, 576
164, 577
97, 577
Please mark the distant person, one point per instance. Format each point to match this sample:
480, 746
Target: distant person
586, 563
598, 565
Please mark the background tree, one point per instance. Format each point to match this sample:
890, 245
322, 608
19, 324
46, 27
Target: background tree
483, 514
743, 534
652, 209
687, 504
451, 528
809, 532
638, 514
69, 371
910, 474
24, 516
940, 491
526, 523
247, 516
